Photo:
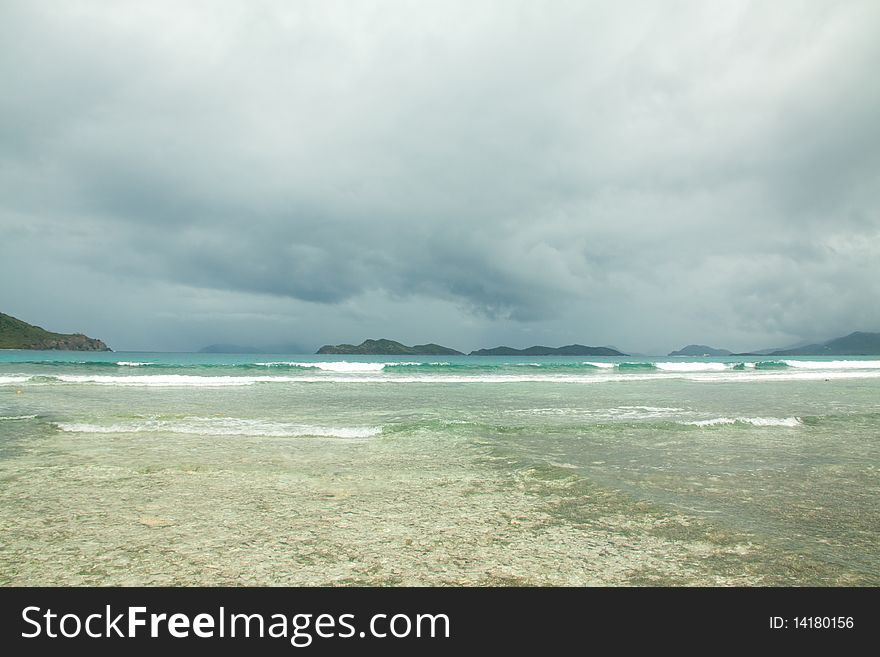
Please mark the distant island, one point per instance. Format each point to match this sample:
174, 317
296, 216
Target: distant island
568, 350
16, 334
697, 350
858, 343
384, 347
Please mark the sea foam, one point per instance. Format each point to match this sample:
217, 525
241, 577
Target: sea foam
221, 427
693, 367
341, 366
14, 379
834, 364
754, 421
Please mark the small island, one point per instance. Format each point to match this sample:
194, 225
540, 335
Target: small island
567, 350
384, 347
16, 334
697, 350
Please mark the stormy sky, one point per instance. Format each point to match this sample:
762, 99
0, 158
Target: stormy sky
640, 174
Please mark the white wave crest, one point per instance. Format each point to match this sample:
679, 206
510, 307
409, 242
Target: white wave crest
221, 427
534, 375
131, 363
166, 380
834, 364
604, 366
754, 421
782, 375
644, 412
603, 414
14, 379
341, 366
185, 380
651, 409
693, 367
17, 417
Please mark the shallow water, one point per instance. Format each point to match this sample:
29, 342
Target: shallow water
201, 469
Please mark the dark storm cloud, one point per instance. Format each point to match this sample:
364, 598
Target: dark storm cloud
643, 173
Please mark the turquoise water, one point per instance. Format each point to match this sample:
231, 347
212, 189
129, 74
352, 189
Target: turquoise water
147, 468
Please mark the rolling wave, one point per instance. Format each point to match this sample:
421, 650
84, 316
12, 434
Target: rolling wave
344, 366
183, 380
770, 365
762, 365
692, 367
150, 373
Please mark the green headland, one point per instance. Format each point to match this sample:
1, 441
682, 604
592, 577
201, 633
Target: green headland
16, 334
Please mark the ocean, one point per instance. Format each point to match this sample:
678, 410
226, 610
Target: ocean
215, 469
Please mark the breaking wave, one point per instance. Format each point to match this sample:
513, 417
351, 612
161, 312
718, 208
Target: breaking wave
692, 367
834, 364
454, 370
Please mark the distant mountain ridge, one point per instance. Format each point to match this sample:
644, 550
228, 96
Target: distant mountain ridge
858, 343
17, 334
538, 350
697, 350
385, 347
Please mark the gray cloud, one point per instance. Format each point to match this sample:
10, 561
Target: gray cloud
635, 173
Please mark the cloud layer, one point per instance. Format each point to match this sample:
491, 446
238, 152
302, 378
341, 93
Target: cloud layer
644, 174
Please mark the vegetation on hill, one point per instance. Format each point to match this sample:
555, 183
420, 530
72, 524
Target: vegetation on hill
385, 347
16, 334
700, 350
859, 343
